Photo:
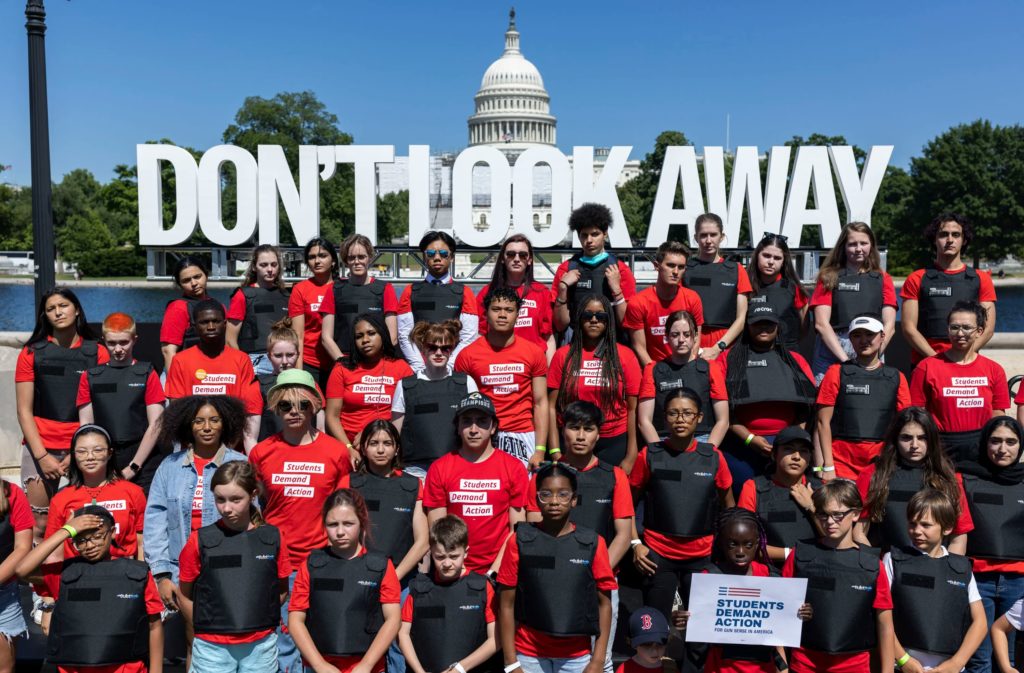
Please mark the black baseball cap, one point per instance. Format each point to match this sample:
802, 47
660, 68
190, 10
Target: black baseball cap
478, 401
761, 313
647, 625
793, 433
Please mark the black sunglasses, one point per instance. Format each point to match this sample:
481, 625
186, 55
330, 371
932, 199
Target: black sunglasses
587, 316
521, 254
769, 236
284, 406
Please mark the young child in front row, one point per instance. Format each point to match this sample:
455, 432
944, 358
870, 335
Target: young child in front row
107, 616
741, 548
448, 618
234, 578
648, 635
937, 611
847, 589
555, 581
344, 610
1003, 629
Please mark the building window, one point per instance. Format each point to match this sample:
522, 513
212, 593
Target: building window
536, 219
483, 218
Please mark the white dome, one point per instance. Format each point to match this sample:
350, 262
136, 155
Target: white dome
512, 70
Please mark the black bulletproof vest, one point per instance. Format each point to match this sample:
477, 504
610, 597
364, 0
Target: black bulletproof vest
892, 530
119, 400
344, 611
781, 296
436, 303
998, 513
668, 377
785, 522
680, 496
391, 502
596, 488
592, 281
939, 292
841, 586
351, 300
854, 294
100, 618
190, 337
736, 652
448, 620
58, 371
429, 414
552, 569
866, 402
263, 308
769, 379
270, 422
236, 591
931, 611
715, 282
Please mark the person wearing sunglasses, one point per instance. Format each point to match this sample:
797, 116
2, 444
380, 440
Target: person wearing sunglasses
928, 294
426, 400
514, 269
298, 469
356, 293
961, 388
436, 298
595, 368
774, 281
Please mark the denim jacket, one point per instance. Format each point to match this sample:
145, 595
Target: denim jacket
169, 507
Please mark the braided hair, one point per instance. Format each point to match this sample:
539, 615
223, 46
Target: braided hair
733, 515
611, 375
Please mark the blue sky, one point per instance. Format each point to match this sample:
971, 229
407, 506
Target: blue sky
618, 73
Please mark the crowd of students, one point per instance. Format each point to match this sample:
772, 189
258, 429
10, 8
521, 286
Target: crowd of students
333, 477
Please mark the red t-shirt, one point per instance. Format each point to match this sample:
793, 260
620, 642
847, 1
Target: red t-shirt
647, 312
176, 321
715, 661
123, 499
468, 300
506, 376
390, 593
365, 393
627, 283
589, 385
535, 315
489, 603
193, 372
959, 397
189, 568
675, 546
622, 497
631, 666
912, 290
154, 391
964, 522
389, 300
55, 434
154, 606
19, 513
803, 660
766, 418
305, 300
709, 336
851, 457
715, 377
297, 480
197, 494
535, 643
481, 494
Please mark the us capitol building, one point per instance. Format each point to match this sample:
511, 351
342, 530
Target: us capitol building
512, 113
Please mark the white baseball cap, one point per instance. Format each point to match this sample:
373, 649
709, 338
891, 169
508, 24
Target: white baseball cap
866, 322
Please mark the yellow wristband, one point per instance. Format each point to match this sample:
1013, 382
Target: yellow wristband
553, 451
902, 661
749, 439
71, 531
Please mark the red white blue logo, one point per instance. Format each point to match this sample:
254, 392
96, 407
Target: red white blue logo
739, 592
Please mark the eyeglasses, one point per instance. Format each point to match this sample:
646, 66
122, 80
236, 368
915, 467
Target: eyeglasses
96, 538
442, 348
284, 406
587, 316
89, 453
835, 516
561, 496
685, 414
521, 254
962, 329
433, 253
769, 236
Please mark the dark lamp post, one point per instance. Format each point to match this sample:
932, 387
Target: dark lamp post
42, 210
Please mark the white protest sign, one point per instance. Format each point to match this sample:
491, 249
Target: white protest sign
738, 609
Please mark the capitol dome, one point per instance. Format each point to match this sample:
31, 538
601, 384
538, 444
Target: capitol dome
512, 105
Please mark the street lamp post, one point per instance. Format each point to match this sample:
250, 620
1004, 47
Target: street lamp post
42, 209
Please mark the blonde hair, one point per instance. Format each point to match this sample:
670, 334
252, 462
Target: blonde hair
282, 331
835, 261
295, 395
356, 239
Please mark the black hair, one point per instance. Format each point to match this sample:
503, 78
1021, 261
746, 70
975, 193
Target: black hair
435, 235
321, 242
611, 372
582, 412
207, 305
97, 510
371, 429
591, 215
931, 232
185, 262
991, 426
500, 276
176, 421
556, 470
43, 329
503, 293
969, 306
387, 350
75, 477
684, 393
787, 270
735, 515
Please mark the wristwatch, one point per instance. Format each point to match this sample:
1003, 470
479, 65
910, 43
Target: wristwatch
722, 345
135, 467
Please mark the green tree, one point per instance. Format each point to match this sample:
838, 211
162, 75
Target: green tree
15, 218
392, 216
82, 235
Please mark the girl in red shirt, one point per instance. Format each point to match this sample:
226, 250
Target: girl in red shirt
774, 281
15, 542
304, 307
61, 348
350, 619
851, 282
228, 571
595, 368
362, 384
256, 305
177, 332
